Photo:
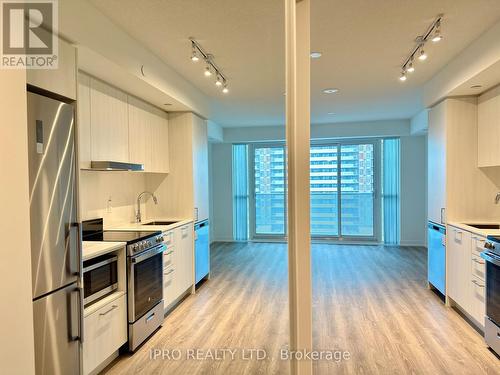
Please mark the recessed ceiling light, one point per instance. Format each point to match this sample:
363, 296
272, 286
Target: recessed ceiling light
330, 91
476, 86
315, 55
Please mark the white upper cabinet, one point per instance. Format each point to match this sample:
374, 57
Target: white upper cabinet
139, 130
61, 81
489, 128
115, 126
148, 134
160, 162
109, 122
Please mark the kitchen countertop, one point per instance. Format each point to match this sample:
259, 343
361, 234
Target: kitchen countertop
480, 232
92, 249
141, 226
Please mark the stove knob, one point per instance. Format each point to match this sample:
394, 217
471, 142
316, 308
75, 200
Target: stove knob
144, 244
489, 245
149, 243
135, 247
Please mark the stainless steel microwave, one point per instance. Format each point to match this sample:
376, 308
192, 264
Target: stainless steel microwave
100, 277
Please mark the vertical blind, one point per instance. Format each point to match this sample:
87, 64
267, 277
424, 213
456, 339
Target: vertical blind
240, 192
390, 188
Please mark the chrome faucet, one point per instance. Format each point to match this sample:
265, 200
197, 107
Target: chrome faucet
497, 198
138, 214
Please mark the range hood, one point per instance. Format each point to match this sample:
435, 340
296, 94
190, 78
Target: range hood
115, 166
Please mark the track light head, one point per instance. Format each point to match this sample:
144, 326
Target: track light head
208, 73
423, 55
225, 90
410, 68
218, 82
403, 76
437, 33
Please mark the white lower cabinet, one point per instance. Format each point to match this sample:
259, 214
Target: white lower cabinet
178, 263
105, 332
466, 272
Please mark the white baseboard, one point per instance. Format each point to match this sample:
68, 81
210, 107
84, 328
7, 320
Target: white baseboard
412, 243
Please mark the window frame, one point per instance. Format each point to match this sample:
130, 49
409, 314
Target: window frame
377, 188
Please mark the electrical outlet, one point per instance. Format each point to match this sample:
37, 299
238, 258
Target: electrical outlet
109, 208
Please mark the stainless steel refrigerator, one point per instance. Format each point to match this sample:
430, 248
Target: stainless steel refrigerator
55, 236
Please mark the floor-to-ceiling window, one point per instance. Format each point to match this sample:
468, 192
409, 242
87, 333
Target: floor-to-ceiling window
269, 190
343, 177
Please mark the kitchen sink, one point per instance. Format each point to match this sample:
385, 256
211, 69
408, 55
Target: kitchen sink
484, 226
161, 223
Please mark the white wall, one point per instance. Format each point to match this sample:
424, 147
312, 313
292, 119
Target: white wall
413, 190
350, 129
413, 171
16, 310
96, 187
221, 212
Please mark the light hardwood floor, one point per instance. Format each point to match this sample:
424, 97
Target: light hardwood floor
371, 301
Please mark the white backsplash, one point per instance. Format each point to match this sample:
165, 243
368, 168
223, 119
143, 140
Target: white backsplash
119, 188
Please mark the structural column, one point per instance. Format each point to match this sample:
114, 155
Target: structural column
297, 21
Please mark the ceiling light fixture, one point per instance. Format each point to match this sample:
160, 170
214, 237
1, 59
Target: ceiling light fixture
194, 55
330, 91
437, 33
423, 55
403, 76
211, 68
433, 33
316, 55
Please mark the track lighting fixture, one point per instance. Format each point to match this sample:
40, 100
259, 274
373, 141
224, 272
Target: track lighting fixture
433, 33
410, 68
211, 68
423, 55
194, 55
437, 33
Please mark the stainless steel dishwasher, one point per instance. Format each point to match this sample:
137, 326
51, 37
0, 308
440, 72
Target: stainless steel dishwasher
436, 256
202, 250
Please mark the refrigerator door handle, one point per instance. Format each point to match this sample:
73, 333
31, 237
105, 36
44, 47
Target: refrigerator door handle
79, 306
79, 270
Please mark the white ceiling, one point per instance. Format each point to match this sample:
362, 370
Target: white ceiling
363, 43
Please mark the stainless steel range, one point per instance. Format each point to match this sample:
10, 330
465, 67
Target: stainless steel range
492, 320
144, 277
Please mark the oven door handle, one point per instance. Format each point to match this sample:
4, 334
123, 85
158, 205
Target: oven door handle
489, 257
147, 254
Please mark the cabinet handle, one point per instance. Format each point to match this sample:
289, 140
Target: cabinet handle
169, 252
111, 309
169, 272
479, 285
477, 261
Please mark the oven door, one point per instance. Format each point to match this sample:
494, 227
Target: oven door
492, 285
145, 282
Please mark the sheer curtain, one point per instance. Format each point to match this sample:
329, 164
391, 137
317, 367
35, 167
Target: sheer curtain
240, 192
390, 187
